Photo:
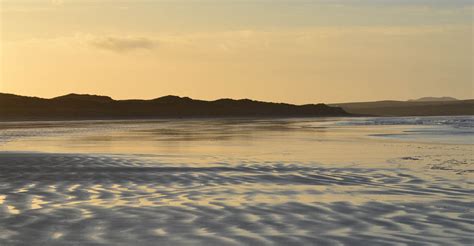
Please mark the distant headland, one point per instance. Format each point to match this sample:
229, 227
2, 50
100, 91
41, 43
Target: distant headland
425, 106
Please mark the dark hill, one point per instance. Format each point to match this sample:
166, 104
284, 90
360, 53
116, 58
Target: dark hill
75, 106
410, 108
87, 98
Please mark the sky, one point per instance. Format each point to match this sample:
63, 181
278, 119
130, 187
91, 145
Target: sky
296, 51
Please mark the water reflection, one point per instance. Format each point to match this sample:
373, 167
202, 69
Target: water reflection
231, 182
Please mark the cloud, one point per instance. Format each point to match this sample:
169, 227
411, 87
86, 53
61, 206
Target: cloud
124, 44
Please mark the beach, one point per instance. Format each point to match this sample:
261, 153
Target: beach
302, 181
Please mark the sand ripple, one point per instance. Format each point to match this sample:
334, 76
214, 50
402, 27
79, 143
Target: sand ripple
61, 199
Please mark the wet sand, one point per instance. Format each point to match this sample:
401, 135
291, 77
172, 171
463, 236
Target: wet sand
232, 183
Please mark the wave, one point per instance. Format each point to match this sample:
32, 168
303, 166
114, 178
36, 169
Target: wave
452, 121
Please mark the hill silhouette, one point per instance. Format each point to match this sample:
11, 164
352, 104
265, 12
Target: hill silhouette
410, 108
76, 106
83, 97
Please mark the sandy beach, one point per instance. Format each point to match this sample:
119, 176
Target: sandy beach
364, 181
236, 123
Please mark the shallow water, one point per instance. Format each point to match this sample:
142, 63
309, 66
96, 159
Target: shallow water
364, 181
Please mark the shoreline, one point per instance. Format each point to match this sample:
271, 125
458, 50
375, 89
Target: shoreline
182, 118
355, 116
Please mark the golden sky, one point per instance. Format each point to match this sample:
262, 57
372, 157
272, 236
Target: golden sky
275, 50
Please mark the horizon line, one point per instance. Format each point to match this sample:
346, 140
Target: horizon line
231, 98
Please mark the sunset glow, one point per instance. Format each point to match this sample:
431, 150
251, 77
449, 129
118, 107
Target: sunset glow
292, 51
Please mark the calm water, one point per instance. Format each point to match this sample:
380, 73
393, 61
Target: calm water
329, 181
